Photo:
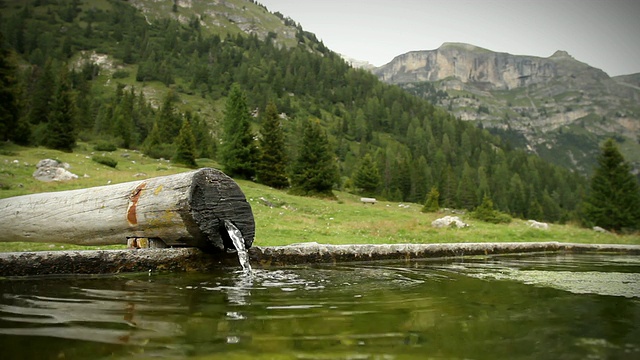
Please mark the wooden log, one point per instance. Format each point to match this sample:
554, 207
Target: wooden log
186, 209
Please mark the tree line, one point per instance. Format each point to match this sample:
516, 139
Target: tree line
309, 105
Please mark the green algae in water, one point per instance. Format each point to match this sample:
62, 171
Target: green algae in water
614, 276
502, 307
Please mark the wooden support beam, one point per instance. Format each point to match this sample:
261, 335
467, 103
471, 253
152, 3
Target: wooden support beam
186, 209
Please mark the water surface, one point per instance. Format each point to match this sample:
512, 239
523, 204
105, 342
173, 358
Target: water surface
500, 307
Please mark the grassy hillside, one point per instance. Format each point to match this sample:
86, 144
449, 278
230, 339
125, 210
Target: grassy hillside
290, 219
129, 62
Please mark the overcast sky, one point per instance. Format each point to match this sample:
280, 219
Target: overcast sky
602, 33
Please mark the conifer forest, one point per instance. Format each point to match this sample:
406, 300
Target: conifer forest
292, 117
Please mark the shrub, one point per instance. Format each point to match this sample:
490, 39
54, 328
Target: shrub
120, 74
105, 146
160, 151
105, 160
503, 218
8, 153
431, 204
485, 212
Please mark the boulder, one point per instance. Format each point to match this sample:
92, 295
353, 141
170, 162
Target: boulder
45, 163
599, 229
538, 225
52, 170
449, 221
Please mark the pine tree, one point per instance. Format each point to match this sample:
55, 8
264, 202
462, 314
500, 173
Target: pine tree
60, 129
123, 126
550, 209
153, 139
238, 153
272, 167
186, 146
8, 98
143, 116
401, 175
483, 184
367, 177
467, 188
42, 94
169, 122
486, 212
535, 211
314, 172
205, 147
449, 187
517, 197
614, 200
85, 99
432, 204
421, 180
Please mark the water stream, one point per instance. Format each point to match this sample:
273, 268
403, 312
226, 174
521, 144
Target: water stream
238, 243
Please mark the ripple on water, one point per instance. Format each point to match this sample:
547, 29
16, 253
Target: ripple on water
351, 310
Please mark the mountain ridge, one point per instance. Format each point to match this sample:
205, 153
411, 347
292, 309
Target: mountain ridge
230, 17
450, 60
188, 72
557, 107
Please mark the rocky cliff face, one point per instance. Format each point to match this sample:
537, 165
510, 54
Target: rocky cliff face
491, 70
224, 17
557, 107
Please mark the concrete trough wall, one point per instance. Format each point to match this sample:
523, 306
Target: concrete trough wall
193, 259
322, 253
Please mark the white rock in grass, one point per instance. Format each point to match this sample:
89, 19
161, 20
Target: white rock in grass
447, 221
599, 229
51, 170
538, 225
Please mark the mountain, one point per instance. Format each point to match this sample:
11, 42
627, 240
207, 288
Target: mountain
137, 71
557, 107
224, 17
358, 64
632, 80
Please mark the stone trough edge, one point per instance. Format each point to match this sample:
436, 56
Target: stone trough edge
192, 259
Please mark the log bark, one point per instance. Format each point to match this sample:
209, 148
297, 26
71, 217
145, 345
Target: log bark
186, 209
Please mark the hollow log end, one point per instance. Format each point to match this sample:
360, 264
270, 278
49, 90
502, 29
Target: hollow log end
213, 198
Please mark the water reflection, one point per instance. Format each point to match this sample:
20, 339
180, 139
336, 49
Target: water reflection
618, 277
483, 307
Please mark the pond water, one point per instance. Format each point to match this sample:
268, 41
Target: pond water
554, 306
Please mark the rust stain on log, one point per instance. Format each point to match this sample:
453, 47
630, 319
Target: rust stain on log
133, 202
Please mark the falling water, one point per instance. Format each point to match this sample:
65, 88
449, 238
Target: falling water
238, 242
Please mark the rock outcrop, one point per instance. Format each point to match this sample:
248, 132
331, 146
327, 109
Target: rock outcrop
538, 225
48, 170
487, 69
248, 17
449, 221
556, 106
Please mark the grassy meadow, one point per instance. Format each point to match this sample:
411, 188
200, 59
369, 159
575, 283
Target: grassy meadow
280, 218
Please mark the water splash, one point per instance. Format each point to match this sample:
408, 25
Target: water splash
238, 242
